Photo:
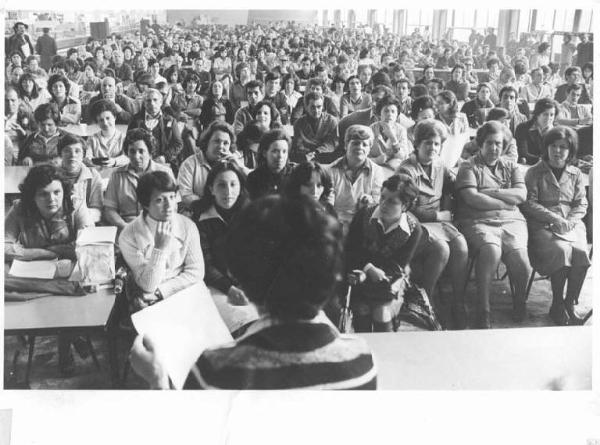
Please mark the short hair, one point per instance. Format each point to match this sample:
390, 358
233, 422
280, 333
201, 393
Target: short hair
405, 186
575, 86
39, 177
363, 67
91, 64
381, 78
272, 75
429, 128
588, 66
484, 84
47, 111
140, 134
377, 89
426, 67
102, 105
497, 114
492, 127
386, 102
358, 132
508, 88
439, 82
456, 67
557, 133
254, 84
276, 134
145, 79
70, 139
492, 61
55, 78
419, 104
269, 104
571, 70
156, 180
316, 81
543, 47
191, 78
520, 67
303, 172
287, 78
286, 254
542, 105
313, 95
212, 129
419, 90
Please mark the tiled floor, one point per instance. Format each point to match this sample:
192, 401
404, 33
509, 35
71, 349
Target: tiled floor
45, 373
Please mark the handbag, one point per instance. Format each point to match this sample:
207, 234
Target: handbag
416, 309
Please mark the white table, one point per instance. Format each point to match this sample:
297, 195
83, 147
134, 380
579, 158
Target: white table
13, 176
496, 359
64, 314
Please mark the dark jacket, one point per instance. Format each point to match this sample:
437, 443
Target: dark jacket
474, 116
46, 48
123, 117
529, 142
167, 134
262, 181
14, 43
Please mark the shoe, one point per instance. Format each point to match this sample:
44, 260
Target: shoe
559, 315
66, 365
519, 311
459, 315
81, 347
573, 318
483, 321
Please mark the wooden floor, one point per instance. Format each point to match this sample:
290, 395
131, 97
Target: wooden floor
45, 373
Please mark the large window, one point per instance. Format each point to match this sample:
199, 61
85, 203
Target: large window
585, 23
486, 18
418, 18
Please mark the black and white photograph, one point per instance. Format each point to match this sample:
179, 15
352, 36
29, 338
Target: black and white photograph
264, 199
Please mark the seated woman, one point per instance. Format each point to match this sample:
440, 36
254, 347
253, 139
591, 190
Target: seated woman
529, 134
476, 110
445, 246
216, 144
86, 182
106, 146
188, 100
43, 225
274, 166
510, 152
423, 107
69, 108
160, 246
266, 115
381, 242
30, 93
90, 83
447, 113
390, 146
216, 98
289, 279
224, 199
311, 179
555, 205
489, 190
121, 204
40, 146
457, 84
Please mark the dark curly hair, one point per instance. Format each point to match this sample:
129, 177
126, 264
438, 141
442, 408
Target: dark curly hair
55, 78
156, 180
101, 106
39, 177
215, 126
140, 134
287, 255
405, 186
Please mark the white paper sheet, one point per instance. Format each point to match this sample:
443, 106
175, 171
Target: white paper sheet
452, 149
182, 326
43, 269
97, 235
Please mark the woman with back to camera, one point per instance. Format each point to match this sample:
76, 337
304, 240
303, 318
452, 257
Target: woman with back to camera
289, 279
222, 202
555, 205
43, 225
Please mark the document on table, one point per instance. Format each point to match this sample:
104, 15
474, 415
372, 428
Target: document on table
42, 269
182, 326
97, 235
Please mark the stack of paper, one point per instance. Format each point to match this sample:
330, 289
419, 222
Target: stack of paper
42, 269
96, 254
181, 327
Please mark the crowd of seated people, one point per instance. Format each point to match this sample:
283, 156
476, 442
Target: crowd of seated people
218, 117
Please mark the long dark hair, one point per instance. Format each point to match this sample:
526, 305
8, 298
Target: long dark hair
302, 173
35, 92
39, 177
208, 199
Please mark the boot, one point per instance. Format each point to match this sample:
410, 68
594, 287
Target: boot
573, 318
558, 314
519, 311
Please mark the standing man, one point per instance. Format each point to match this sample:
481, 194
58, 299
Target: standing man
19, 42
46, 48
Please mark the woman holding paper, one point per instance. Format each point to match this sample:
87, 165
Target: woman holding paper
43, 225
555, 205
289, 279
223, 200
160, 246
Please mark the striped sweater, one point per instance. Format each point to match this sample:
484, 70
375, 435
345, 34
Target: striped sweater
307, 354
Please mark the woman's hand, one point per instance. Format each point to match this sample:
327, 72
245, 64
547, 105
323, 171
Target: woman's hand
63, 251
375, 274
145, 361
444, 215
28, 162
164, 234
237, 297
562, 226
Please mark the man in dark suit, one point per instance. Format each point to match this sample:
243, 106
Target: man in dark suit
124, 105
163, 127
19, 42
46, 48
